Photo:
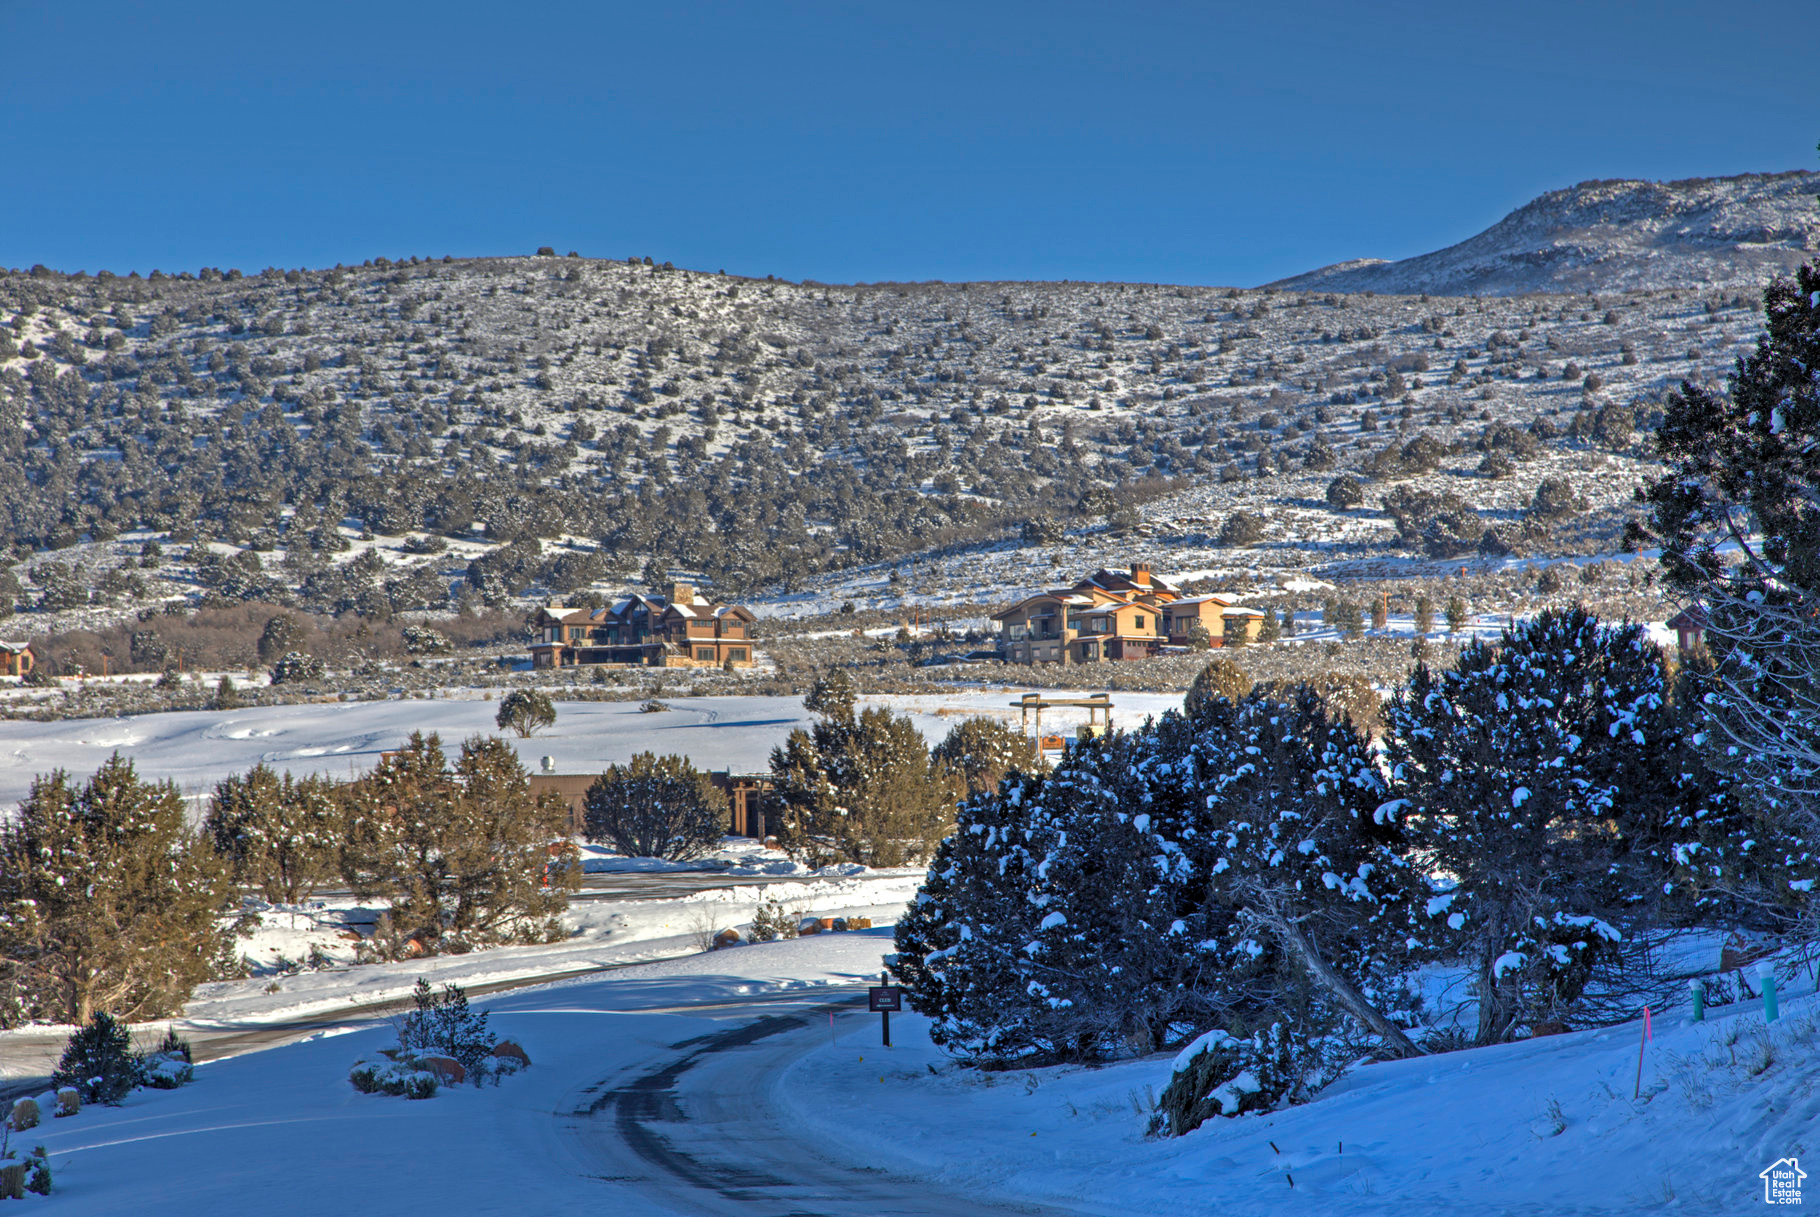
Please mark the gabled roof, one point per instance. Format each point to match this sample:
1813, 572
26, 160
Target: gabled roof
564, 613
14, 647
1128, 581
1052, 597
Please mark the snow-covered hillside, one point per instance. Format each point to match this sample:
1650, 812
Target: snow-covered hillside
1701, 233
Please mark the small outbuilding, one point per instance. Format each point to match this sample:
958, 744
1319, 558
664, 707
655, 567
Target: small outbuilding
16, 659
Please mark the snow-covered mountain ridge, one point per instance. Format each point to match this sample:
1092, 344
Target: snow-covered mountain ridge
1612, 235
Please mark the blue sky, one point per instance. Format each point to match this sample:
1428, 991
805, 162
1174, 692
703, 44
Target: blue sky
1194, 143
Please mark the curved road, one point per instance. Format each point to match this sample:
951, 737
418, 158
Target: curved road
701, 1135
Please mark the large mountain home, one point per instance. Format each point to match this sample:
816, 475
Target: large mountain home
16, 658
1114, 615
681, 630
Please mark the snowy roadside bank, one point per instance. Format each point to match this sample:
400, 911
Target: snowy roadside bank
603, 934
249, 1127
1545, 1125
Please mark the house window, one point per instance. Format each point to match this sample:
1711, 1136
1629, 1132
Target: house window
704, 653
1140, 621
737, 654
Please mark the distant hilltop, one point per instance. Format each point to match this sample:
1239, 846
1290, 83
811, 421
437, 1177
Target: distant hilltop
1716, 232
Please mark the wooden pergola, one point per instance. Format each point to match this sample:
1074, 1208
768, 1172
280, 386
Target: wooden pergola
1035, 703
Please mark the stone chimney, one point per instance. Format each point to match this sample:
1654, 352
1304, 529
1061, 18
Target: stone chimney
682, 593
1140, 573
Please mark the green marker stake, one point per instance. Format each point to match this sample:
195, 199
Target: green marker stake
1697, 990
1767, 974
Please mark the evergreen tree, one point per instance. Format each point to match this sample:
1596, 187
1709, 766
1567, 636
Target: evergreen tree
954, 952
1735, 859
279, 835
1737, 511
1221, 680
462, 851
1309, 853
107, 900
1122, 959
982, 751
861, 788
98, 1061
1538, 778
1456, 614
525, 711
656, 807
1343, 616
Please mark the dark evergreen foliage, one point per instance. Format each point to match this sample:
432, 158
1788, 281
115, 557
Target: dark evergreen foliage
656, 807
99, 1061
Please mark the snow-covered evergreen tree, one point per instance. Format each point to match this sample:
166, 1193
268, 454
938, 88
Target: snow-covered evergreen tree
957, 942
1738, 515
1311, 853
279, 834
1140, 893
656, 807
463, 851
1537, 782
860, 787
107, 901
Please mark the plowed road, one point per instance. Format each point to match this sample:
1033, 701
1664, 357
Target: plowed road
701, 1134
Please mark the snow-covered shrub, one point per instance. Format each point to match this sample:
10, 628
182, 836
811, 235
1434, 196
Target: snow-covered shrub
38, 1163
1221, 1074
167, 1066
396, 1078
294, 667
441, 1042
422, 640
772, 920
25, 1114
443, 1024
18, 1175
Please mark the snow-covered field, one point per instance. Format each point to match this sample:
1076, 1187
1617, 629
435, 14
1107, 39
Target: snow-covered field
1547, 1126
197, 748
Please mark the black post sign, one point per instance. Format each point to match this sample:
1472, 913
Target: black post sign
882, 1000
